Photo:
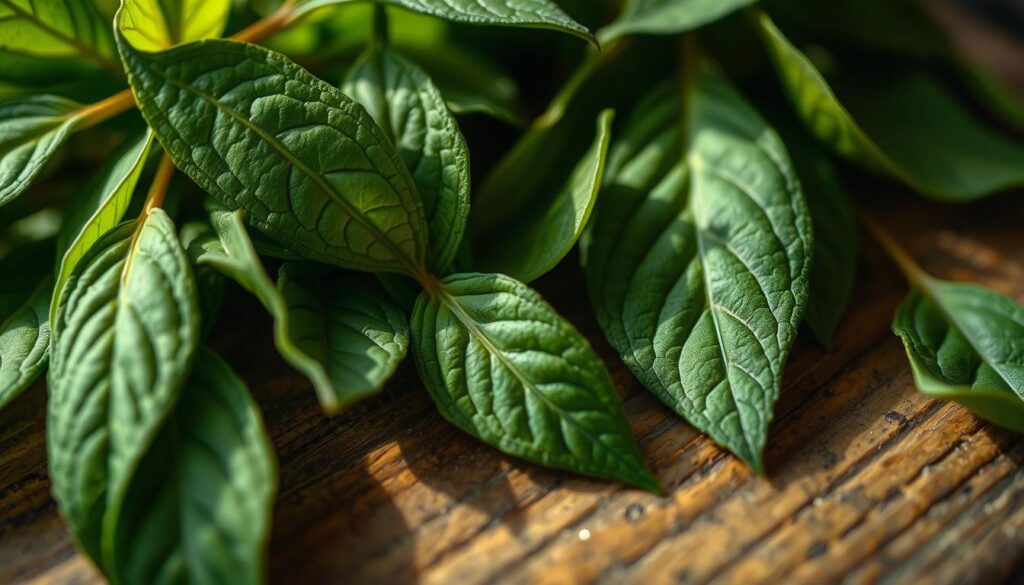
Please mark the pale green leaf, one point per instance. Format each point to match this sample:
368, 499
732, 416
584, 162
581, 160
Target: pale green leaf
667, 17
966, 344
155, 25
348, 339
54, 29
698, 259
249, 126
123, 339
24, 330
528, 245
32, 129
504, 367
902, 123
409, 108
101, 207
199, 508
543, 14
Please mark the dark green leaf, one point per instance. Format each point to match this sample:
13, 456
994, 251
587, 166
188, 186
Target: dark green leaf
24, 329
250, 126
698, 259
346, 338
124, 335
966, 344
835, 236
528, 245
409, 108
199, 508
525, 13
667, 17
31, 131
502, 366
901, 123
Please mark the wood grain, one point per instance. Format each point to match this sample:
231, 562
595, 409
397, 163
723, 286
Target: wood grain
869, 480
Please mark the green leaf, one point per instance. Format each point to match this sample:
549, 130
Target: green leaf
502, 366
31, 131
126, 328
348, 339
529, 245
543, 14
24, 329
470, 84
904, 124
698, 259
409, 108
199, 508
351, 336
667, 17
155, 25
249, 126
54, 29
966, 344
101, 208
835, 236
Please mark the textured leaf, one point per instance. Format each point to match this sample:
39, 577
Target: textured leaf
835, 236
901, 123
249, 126
529, 245
50, 29
125, 332
966, 344
199, 507
154, 25
502, 366
24, 329
31, 131
698, 259
668, 17
409, 108
101, 208
525, 13
346, 338
352, 337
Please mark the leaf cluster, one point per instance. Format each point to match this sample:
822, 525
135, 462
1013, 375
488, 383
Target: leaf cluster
330, 140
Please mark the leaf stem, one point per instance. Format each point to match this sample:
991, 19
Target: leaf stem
915, 275
161, 181
260, 30
591, 64
106, 108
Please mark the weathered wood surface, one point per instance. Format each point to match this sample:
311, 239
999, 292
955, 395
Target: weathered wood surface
868, 479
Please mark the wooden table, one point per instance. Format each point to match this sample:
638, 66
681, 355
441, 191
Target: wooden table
868, 479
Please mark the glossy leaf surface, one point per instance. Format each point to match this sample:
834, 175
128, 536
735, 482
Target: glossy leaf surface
155, 25
248, 126
502, 366
966, 344
409, 108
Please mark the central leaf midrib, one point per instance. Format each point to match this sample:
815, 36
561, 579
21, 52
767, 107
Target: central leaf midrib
353, 212
448, 300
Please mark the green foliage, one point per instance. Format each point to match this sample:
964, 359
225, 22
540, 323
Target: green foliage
504, 367
24, 328
966, 344
700, 254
